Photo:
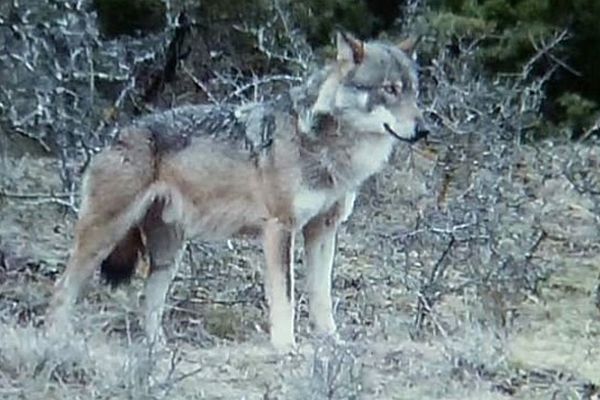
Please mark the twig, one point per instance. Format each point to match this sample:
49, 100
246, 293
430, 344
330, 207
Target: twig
426, 303
543, 235
199, 84
595, 128
436, 268
42, 198
545, 50
35, 196
425, 299
181, 377
257, 82
28, 135
581, 189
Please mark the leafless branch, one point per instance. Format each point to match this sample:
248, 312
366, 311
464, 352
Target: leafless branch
199, 84
545, 49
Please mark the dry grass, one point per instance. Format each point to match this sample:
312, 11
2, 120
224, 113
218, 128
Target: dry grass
503, 342
468, 270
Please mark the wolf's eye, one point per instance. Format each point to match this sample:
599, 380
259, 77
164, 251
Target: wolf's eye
392, 89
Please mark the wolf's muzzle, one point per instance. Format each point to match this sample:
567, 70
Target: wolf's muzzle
421, 132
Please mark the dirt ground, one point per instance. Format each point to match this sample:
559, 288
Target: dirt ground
479, 342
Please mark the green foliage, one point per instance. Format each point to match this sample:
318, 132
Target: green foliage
579, 111
319, 18
233, 10
130, 17
499, 11
514, 46
229, 29
515, 30
448, 24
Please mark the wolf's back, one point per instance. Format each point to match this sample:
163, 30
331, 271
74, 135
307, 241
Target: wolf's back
249, 128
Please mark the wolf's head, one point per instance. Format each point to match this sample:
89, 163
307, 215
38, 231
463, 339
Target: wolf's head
373, 88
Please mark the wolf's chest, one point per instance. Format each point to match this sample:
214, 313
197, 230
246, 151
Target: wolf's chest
308, 203
370, 156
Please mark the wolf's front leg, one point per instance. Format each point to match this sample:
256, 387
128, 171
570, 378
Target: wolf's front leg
319, 251
279, 283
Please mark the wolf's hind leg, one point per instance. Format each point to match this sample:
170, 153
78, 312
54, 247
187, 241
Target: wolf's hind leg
96, 236
115, 196
279, 283
165, 243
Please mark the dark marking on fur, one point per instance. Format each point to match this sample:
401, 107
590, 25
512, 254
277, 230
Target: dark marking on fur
251, 127
268, 130
120, 265
375, 97
325, 123
408, 68
286, 261
164, 143
333, 215
163, 241
318, 172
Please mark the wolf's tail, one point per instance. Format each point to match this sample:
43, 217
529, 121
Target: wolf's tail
120, 264
119, 190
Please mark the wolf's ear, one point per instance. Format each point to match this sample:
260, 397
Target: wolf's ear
350, 48
408, 45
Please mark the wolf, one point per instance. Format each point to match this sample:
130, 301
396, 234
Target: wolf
273, 169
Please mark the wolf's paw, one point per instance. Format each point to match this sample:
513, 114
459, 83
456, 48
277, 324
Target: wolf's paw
324, 327
283, 344
58, 323
321, 321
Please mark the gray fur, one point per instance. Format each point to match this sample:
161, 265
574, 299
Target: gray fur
279, 167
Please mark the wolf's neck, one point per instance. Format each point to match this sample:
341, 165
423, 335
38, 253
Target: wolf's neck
335, 156
344, 156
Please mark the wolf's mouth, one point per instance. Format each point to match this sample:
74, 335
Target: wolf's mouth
412, 140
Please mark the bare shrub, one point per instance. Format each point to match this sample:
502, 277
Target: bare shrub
454, 243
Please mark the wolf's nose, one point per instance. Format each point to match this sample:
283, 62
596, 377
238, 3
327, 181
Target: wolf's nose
421, 131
